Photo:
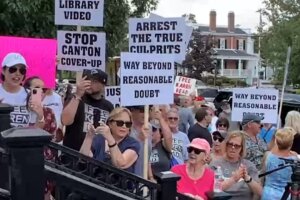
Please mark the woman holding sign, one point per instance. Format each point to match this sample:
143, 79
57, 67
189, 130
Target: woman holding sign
111, 142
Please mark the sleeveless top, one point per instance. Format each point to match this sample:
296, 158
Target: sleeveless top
275, 182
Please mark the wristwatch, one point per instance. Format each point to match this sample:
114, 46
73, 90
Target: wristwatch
248, 181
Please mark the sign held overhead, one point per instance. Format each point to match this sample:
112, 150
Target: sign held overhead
81, 50
79, 12
146, 79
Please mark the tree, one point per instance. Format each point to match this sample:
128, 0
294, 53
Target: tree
35, 18
284, 32
199, 58
191, 17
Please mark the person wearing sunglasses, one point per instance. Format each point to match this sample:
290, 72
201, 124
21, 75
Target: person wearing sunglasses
196, 178
111, 142
86, 106
256, 147
12, 92
180, 139
240, 175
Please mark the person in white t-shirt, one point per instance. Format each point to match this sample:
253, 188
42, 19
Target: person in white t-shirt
212, 126
14, 70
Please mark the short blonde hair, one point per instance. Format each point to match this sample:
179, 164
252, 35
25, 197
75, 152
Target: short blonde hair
284, 138
235, 134
117, 111
292, 119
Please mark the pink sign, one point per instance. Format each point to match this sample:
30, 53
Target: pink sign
40, 56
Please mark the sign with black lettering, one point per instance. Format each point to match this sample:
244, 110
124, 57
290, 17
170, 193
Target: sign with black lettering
146, 79
81, 50
188, 29
20, 117
262, 102
79, 12
158, 36
113, 94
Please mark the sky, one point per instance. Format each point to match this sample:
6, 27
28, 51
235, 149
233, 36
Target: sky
245, 10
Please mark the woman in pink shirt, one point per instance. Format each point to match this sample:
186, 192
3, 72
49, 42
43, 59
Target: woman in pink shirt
196, 177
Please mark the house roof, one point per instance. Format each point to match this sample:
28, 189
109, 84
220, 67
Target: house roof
232, 53
220, 30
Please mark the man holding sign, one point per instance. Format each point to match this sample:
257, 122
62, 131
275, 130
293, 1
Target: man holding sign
86, 107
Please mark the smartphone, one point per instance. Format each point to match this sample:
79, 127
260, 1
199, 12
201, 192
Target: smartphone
36, 96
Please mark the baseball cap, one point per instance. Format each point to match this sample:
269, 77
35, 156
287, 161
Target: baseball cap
95, 74
220, 134
210, 105
200, 143
251, 118
12, 59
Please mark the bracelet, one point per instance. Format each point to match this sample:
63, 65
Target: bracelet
250, 179
114, 144
42, 120
76, 97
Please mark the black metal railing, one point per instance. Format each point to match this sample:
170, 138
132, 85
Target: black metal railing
99, 173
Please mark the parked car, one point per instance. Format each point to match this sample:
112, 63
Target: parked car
209, 93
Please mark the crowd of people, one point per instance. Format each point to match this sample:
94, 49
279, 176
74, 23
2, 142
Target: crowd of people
190, 137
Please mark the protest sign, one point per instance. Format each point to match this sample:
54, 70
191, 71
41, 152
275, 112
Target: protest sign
113, 94
40, 56
188, 29
81, 50
184, 85
158, 36
79, 12
146, 79
262, 102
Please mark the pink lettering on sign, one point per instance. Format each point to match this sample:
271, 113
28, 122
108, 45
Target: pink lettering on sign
40, 55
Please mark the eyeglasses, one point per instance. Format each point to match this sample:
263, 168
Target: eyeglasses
220, 139
235, 146
12, 70
173, 118
196, 151
222, 125
121, 123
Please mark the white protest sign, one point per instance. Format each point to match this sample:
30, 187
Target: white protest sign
146, 79
113, 94
184, 85
81, 50
262, 102
79, 12
158, 36
188, 29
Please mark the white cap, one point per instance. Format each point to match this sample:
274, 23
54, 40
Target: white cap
12, 59
210, 105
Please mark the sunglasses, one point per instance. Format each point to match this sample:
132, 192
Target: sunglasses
222, 125
173, 118
220, 139
121, 123
12, 70
43, 89
235, 146
155, 129
196, 151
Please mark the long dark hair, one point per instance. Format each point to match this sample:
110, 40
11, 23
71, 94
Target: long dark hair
27, 84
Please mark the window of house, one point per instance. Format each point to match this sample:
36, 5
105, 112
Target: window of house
244, 64
241, 45
222, 43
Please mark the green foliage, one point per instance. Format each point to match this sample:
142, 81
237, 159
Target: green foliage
35, 18
199, 58
284, 32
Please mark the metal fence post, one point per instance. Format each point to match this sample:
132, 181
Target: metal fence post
5, 111
26, 162
168, 182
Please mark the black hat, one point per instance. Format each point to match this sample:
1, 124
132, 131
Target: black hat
95, 74
220, 134
251, 118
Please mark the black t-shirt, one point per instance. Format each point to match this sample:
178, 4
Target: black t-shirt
160, 159
198, 131
296, 143
89, 111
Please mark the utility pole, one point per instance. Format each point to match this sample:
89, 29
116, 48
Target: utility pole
259, 47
